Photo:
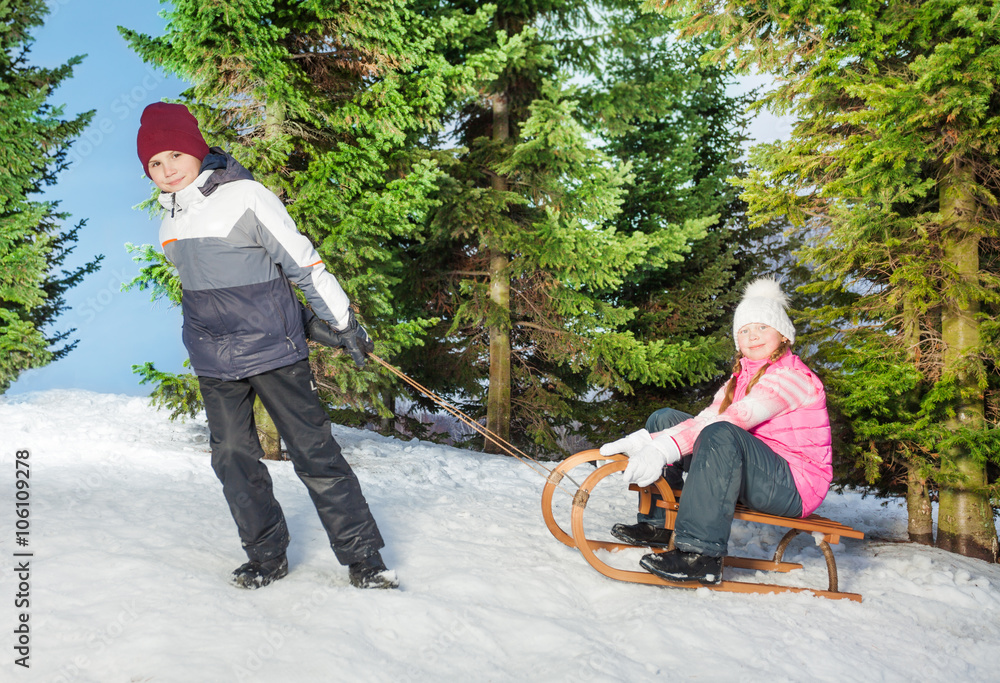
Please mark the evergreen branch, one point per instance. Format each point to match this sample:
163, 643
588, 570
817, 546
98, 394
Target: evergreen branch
541, 328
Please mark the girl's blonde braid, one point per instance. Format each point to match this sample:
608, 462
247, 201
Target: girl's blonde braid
731, 385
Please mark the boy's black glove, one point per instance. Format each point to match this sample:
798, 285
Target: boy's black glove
354, 339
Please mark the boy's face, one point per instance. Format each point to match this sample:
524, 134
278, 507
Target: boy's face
173, 171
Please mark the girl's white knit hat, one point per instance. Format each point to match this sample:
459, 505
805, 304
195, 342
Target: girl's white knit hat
764, 302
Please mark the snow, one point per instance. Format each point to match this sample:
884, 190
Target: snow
133, 544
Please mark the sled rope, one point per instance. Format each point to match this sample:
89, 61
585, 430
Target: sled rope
508, 448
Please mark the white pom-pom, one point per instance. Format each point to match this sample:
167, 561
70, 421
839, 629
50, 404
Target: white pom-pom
766, 288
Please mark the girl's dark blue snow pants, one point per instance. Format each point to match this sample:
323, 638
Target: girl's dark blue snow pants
728, 465
289, 395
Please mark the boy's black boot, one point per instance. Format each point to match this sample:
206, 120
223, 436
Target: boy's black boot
677, 565
371, 573
255, 574
642, 533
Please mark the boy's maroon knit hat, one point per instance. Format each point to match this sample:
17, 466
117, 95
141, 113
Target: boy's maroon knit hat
166, 126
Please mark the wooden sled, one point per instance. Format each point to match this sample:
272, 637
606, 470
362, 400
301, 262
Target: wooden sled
825, 531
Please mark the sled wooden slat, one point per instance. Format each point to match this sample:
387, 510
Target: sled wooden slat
829, 531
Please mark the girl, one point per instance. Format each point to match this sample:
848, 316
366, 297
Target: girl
764, 441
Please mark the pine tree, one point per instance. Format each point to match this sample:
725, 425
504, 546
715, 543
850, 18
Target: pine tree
684, 135
893, 171
34, 140
323, 102
533, 265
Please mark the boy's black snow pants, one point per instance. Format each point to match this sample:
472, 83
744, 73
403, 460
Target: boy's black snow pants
289, 395
728, 465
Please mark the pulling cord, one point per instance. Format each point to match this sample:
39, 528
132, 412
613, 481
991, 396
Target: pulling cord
465, 419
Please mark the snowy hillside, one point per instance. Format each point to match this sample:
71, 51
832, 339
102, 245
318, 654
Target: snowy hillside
132, 546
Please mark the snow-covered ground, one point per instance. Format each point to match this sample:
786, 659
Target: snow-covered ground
133, 544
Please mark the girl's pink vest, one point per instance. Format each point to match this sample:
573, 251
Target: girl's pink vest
802, 437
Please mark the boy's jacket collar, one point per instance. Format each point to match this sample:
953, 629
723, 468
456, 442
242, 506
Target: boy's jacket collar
218, 168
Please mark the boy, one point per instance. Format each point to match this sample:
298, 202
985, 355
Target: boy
236, 249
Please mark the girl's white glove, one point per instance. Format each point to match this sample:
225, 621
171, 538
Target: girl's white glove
646, 456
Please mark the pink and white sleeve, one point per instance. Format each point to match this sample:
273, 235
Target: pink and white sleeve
776, 393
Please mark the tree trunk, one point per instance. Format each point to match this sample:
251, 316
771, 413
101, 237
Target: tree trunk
965, 518
920, 521
498, 401
267, 432
274, 119
387, 425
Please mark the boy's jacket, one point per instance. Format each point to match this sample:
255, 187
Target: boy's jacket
235, 248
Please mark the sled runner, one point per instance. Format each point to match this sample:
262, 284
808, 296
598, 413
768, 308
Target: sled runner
825, 531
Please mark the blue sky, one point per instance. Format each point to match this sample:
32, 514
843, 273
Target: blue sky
104, 182
117, 330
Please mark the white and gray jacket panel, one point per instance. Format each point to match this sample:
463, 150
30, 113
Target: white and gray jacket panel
235, 249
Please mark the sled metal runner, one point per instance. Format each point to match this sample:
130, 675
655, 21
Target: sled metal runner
825, 531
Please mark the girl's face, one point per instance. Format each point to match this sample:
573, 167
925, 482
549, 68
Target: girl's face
758, 341
173, 171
